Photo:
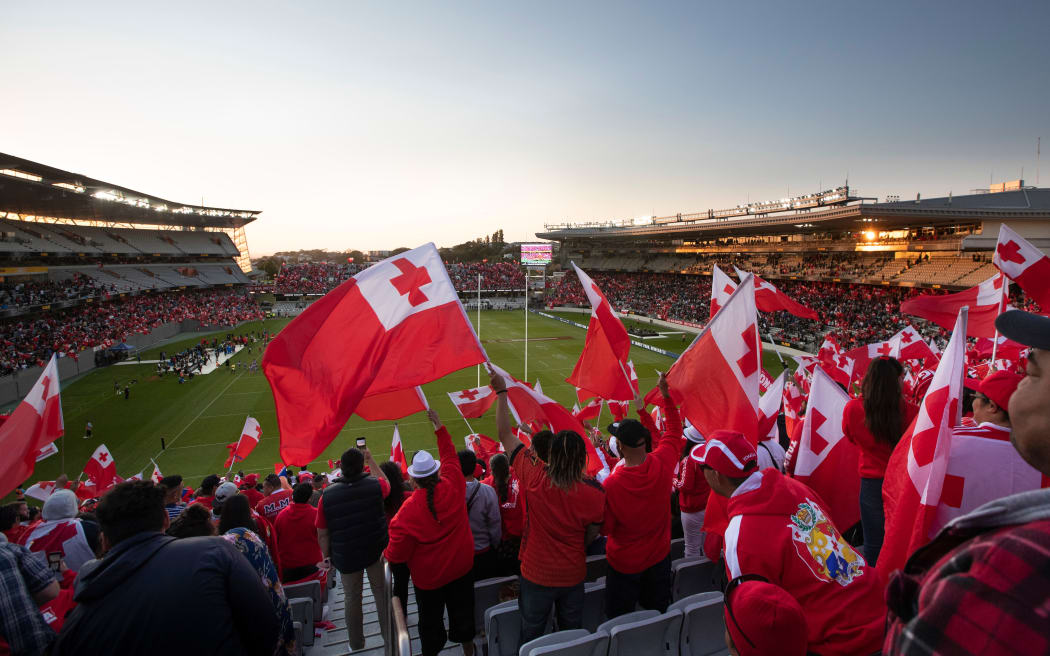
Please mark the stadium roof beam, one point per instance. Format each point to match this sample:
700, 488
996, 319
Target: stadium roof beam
34, 189
1024, 205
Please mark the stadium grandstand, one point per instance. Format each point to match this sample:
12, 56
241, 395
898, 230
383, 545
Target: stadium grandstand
844, 255
86, 264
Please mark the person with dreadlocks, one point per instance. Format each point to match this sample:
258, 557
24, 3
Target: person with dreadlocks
431, 534
564, 513
875, 423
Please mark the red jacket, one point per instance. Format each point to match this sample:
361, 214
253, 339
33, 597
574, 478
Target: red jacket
778, 528
511, 511
874, 454
297, 536
269, 506
437, 552
638, 501
692, 487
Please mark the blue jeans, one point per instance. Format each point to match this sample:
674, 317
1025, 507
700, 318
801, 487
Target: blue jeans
872, 520
535, 603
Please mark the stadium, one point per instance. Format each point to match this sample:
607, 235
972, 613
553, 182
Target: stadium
159, 323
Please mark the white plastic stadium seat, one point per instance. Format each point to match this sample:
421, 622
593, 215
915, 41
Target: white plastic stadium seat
703, 625
555, 638
486, 595
626, 618
593, 644
702, 597
691, 576
656, 635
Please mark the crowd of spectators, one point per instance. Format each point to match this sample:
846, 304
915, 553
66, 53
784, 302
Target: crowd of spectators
494, 276
855, 314
30, 340
313, 277
45, 291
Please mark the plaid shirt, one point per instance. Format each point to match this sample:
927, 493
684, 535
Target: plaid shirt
987, 593
23, 574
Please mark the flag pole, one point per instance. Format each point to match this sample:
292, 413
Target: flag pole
233, 456
526, 376
479, 325
467, 423
995, 338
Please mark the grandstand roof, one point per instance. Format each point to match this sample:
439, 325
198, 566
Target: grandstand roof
1023, 204
32, 188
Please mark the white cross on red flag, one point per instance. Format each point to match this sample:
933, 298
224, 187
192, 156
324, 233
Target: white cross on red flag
770, 299
101, 472
397, 451
395, 325
1023, 263
722, 287
34, 424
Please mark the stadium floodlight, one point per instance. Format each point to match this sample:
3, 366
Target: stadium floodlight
15, 173
869, 235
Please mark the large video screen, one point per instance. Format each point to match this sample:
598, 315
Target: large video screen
536, 254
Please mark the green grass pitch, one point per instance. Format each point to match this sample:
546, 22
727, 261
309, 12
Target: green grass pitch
197, 419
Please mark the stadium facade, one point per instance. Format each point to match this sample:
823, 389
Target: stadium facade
833, 235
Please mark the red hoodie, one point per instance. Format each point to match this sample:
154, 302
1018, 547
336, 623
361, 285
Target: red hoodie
874, 454
511, 511
638, 501
297, 537
437, 552
778, 528
692, 487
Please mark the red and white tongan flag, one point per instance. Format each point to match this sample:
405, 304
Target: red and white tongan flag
793, 400
589, 411
1023, 263
395, 325
101, 472
825, 460
602, 367
835, 363
986, 301
484, 447
722, 287
397, 452
34, 424
919, 478
250, 436
1003, 347
770, 299
534, 408
769, 407
619, 409
41, 490
473, 403
911, 346
862, 356
156, 476
715, 381
389, 406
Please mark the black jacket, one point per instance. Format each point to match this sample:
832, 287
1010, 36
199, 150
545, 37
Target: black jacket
153, 594
353, 510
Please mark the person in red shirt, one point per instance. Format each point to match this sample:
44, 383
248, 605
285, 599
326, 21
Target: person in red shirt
248, 484
779, 529
431, 534
875, 423
206, 491
11, 517
297, 536
511, 512
638, 512
693, 491
277, 498
565, 512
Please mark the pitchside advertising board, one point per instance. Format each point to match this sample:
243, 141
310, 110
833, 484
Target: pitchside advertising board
536, 254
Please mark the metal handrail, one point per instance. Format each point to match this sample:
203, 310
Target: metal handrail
400, 628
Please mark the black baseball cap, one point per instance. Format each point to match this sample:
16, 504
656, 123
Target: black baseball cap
1025, 328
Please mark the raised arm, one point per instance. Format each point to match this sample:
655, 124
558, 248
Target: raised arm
450, 468
507, 437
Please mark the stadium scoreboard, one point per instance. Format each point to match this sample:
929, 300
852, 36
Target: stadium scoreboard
536, 254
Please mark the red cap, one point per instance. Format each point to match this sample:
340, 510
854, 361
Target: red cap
727, 452
999, 386
768, 621
250, 480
